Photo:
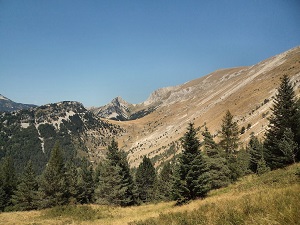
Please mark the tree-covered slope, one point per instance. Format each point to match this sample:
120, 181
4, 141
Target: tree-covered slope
31, 134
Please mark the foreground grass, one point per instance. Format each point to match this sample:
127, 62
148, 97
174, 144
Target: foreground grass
273, 198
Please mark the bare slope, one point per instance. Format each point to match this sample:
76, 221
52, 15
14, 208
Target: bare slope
246, 91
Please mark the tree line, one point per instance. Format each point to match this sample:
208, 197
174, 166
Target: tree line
202, 166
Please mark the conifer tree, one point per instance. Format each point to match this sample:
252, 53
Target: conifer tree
255, 149
191, 177
8, 183
229, 134
210, 147
110, 189
53, 187
115, 177
284, 118
71, 182
85, 182
145, 178
218, 170
165, 183
26, 195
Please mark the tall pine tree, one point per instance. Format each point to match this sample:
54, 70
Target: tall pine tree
218, 170
8, 183
255, 149
164, 183
26, 195
229, 134
191, 175
85, 183
145, 178
115, 178
53, 188
283, 122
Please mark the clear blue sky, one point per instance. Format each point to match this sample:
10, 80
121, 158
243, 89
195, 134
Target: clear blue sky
92, 51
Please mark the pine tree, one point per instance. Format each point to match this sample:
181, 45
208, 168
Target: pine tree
229, 134
191, 178
164, 183
255, 149
218, 170
85, 183
284, 117
26, 195
288, 146
145, 178
8, 183
210, 147
110, 188
53, 189
262, 167
71, 182
115, 176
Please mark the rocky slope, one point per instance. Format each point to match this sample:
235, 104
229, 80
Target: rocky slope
246, 91
7, 105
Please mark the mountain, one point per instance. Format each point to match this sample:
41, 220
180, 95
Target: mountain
155, 126
32, 133
246, 91
7, 105
120, 110
117, 109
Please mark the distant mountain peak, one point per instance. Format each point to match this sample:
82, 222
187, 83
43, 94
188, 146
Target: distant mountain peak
3, 98
7, 105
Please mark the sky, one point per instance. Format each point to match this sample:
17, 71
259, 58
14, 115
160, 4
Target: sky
92, 51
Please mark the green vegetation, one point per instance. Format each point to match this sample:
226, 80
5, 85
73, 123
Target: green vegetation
145, 178
191, 175
210, 176
272, 198
282, 138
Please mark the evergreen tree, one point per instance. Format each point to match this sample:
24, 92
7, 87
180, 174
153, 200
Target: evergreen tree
110, 189
8, 183
288, 146
53, 189
85, 183
211, 148
262, 167
285, 116
115, 176
218, 170
145, 178
255, 149
165, 183
119, 158
191, 177
229, 134
26, 195
71, 182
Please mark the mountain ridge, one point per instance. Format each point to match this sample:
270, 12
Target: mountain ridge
155, 126
7, 105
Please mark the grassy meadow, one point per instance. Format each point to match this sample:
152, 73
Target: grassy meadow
273, 198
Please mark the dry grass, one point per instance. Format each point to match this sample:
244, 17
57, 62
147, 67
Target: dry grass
270, 199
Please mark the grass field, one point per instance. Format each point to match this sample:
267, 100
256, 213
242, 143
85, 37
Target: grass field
273, 198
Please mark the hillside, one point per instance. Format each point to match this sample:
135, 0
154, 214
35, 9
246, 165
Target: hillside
272, 198
154, 126
246, 91
32, 133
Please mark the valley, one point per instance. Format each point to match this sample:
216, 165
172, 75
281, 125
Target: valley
154, 127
